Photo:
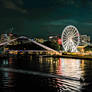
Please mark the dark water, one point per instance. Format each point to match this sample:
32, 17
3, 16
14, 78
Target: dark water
30, 74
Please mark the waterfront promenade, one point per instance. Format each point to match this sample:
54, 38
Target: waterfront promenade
38, 54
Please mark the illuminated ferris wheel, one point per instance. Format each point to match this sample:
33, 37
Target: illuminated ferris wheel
70, 38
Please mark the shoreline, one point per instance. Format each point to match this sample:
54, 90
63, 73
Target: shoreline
87, 57
70, 56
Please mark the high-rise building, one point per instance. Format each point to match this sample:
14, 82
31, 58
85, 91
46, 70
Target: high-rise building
84, 39
4, 37
56, 39
53, 38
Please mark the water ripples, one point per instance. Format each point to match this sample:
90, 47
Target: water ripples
61, 83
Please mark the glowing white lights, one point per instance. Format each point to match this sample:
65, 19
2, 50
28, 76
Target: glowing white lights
70, 38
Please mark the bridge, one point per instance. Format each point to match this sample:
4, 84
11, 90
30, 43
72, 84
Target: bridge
47, 49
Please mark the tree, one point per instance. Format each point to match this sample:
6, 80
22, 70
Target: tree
52, 44
88, 48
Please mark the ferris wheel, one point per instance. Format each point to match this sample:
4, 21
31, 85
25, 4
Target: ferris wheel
70, 38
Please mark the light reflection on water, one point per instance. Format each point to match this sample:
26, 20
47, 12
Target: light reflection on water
57, 74
71, 67
7, 80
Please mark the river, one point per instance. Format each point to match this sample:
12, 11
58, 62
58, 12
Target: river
31, 74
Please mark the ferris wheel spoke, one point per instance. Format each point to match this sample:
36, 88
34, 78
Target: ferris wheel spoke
66, 46
65, 41
75, 35
64, 38
74, 45
69, 44
65, 33
68, 33
76, 38
74, 31
75, 42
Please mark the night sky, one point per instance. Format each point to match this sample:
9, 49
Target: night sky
41, 18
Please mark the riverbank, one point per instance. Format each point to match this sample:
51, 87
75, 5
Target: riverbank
88, 57
76, 56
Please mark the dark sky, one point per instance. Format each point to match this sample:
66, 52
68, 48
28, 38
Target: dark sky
48, 17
